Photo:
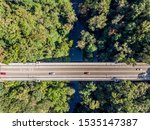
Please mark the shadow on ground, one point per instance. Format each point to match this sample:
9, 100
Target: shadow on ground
60, 59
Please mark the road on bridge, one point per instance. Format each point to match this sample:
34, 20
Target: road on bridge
74, 71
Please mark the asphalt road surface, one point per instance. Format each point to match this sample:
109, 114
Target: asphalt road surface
74, 72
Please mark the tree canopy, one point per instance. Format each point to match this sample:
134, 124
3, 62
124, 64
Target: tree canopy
111, 97
113, 31
121, 29
35, 97
31, 30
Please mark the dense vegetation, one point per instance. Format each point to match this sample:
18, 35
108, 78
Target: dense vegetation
115, 97
32, 30
35, 97
117, 30
114, 31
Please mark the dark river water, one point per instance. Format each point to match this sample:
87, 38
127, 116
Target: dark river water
75, 53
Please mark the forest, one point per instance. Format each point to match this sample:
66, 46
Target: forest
39, 30
117, 30
110, 97
33, 30
30, 31
35, 97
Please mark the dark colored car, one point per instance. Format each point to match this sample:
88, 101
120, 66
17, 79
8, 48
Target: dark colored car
2, 73
87, 73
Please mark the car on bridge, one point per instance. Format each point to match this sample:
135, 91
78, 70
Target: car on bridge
87, 73
51, 73
2, 73
139, 69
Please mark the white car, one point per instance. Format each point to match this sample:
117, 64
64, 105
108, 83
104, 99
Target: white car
51, 73
139, 69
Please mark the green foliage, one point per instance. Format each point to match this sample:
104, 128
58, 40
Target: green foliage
97, 22
96, 13
35, 97
131, 97
86, 38
87, 42
34, 30
117, 30
121, 29
115, 97
86, 97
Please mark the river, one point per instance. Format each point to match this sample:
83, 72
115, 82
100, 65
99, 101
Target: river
75, 53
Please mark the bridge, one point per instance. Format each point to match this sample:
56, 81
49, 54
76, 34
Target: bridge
74, 72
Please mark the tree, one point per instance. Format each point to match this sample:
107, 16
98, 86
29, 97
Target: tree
120, 28
86, 97
35, 97
34, 30
124, 96
131, 97
97, 22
